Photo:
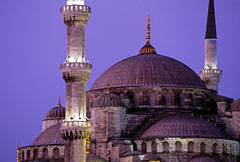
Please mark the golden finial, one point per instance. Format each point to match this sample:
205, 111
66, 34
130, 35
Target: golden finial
88, 150
148, 29
59, 102
108, 88
18, 153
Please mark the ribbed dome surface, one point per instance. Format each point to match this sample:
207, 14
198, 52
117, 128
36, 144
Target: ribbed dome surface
56, 113
148, 70
182, 126
108, 100
236, 105
50, 136
94, 158
204, 159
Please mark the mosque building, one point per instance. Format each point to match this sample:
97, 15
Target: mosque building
145, 108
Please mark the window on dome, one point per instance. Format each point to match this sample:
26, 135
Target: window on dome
165, 147
28, 155
144, 147
35, 154
199, 101
162, 100
203, 148
45, 153
144, 99
178, 146
23, 158
214, 148
190, 146
224, 149
154, 147
134, 147
177, 100
231, 149
55, 153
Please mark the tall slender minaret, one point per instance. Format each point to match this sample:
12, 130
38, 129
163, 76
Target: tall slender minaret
76, 128
211, 75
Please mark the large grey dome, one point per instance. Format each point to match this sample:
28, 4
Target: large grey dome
51, 135
182, 126
148, 70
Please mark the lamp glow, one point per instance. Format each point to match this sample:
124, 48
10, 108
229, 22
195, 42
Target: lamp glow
75, 2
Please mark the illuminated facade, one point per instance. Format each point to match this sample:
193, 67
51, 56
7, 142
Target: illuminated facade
145, 108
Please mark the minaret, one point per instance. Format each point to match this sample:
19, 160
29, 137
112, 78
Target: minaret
211, 75
76, 128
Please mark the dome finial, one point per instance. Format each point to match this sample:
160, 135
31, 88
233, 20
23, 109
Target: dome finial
108, 88
148, 37
59, 102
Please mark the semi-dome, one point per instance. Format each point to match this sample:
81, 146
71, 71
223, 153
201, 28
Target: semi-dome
182, 126
51, 135
108, 100
94, 158
236, 105
146, 70
57, 112
204, 159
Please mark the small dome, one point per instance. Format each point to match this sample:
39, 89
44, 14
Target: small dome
94, 158
56, 113
51, 135
236, 105
108, 100
204, 159
182, 126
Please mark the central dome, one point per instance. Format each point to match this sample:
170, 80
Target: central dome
145, 70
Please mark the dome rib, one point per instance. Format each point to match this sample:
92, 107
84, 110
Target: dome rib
149, 70
108, 100
56, 113
182, 126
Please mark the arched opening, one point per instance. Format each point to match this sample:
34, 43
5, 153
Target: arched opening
165, 147
203, 147
55, 153
231, 149
162, 100
45, 153
178, 146
144, 147
177, 100
134, 147
224, 149
154, 147
190, 146
214, 148
23, 156
28, 155
35, 154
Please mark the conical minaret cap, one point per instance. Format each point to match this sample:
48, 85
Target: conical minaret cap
211, 32
148, 48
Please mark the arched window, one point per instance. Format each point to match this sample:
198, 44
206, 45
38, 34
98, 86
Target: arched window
224, 149
144, 147
154, 147
23, 158
55, 153
45, 153
231, 149
28, 155
165, 147
134, 147
214, 148
35, 154
190, 146
178, 146
177, 99
203, 148
162, 100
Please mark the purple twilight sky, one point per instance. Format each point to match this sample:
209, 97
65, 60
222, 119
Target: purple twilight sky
33, 45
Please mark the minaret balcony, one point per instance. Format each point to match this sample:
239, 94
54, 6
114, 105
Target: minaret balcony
74, 8
211, 71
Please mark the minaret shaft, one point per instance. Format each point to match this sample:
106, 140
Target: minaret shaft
76, 128
211, 75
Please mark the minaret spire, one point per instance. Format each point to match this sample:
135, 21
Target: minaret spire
59, 102
211, 32
148, 37
211, 75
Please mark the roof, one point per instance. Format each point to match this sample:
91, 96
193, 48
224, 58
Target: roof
204, 159
56, 113
236, 105
108, 100
50, 136
146, 70
211, 31
182, 126
94, 158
